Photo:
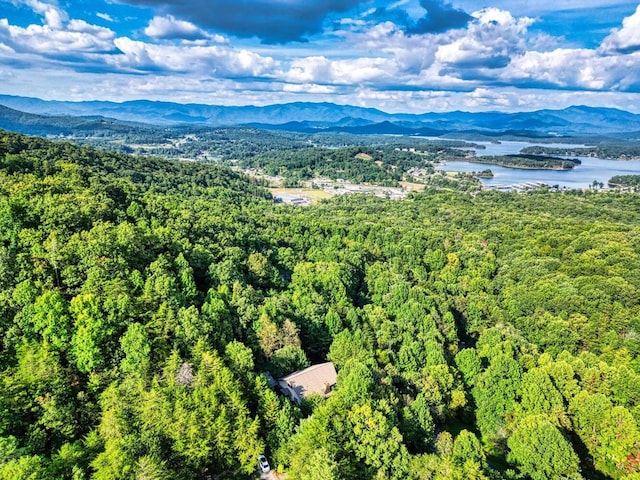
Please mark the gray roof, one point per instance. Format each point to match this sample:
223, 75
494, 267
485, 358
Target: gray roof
314, 379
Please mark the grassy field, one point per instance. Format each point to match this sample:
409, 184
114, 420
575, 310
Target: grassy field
314, 195
414, 187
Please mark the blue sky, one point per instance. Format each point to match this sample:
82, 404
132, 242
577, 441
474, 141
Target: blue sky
400, 56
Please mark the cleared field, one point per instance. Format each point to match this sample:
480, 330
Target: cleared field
413, 187
312, 194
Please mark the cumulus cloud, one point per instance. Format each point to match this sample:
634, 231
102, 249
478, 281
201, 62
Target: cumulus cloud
492, 39
612, 67
272, 21
76, 38
170, 27
211, 60
496, 50
576, 69
85, 47
54, 16
625, 39
412, 53
310, 69
389, 58
321, 70
57, 36
456, 59
562, 68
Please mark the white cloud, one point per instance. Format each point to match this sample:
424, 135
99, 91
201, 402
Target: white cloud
309, 69
76, 39
171, 27
412, 53
105, 16
54, 16
483, 99
490, 41
541, 41
310, 88
322, 70
93, 47
576, 69
560, 67
80, 26
625, 39
515, 99
451, 58
208, 60
5, 50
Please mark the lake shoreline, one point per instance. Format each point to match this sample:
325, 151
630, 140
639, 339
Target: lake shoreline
582, 176
516, 166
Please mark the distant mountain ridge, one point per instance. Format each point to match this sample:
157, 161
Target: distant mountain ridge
43, 125
317, 117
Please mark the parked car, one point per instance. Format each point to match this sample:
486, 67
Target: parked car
263, 464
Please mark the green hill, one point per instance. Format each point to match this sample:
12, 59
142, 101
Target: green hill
475, 336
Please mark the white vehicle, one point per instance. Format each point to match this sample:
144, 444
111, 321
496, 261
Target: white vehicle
263, 465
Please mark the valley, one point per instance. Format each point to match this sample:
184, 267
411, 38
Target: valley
327, 159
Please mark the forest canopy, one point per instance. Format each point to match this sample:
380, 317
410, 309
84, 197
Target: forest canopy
485, 336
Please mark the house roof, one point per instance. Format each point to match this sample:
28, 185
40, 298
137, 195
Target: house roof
314, 379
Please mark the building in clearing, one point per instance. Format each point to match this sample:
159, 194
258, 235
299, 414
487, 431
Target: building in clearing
318, 379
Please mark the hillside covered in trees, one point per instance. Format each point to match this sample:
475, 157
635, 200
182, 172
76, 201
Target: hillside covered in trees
487, 336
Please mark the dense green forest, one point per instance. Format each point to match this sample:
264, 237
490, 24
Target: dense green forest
527, 160
240, 144
384, 165
476, 336
625, 181
629, 150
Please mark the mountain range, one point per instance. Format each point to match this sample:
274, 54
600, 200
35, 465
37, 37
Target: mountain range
63, 116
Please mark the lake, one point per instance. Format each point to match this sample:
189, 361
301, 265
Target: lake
582, 176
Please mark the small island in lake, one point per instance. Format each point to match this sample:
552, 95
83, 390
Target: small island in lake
614, 151
483, 174
527, 161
